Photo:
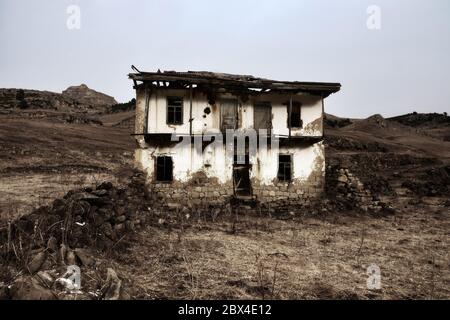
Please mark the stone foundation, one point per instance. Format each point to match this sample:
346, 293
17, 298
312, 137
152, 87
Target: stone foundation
210, 194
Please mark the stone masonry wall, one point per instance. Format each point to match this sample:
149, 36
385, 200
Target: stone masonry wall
208, 193
287, 196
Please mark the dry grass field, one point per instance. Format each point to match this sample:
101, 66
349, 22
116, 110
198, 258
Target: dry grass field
306, 257
243, 256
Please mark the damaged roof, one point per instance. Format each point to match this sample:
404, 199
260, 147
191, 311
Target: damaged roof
226, 80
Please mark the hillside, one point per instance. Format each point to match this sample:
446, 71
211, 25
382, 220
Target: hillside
432, 124
305, 254
390, 157
75, 99
87, 96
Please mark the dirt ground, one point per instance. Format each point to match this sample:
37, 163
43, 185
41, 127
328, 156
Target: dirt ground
254, 257
41, 160
322, 257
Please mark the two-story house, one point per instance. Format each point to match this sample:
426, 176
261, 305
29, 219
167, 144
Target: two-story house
204, 137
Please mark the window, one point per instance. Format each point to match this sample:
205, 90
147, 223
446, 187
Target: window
174, 110
295, 120
284, 167
164, 169
262, 115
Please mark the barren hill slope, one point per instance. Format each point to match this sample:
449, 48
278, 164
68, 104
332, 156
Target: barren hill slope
393, 136
88, 96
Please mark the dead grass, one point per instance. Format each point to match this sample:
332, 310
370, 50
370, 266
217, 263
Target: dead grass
308, 258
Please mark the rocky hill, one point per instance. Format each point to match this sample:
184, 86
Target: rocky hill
436, 125
87, 96
73, 99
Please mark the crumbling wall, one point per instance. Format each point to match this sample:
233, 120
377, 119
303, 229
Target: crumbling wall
349, 192
311, 112
202, 189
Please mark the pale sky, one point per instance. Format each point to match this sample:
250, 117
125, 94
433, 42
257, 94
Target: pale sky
400, 68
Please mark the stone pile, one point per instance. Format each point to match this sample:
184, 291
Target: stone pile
349, 192
68, 233
87, 217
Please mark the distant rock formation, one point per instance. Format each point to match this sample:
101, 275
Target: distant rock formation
33, 99
73, 99
87, 96
378, 120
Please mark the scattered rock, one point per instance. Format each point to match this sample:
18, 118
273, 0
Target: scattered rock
36, 262
71, 258
105, 186
75, 296
4, 292
28, 288
62, 253
112, 287
46, 278
85, 258
52, 244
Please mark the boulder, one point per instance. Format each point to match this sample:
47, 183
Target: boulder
37, 261
100, 192
85, 258
52, 244
105, 186
29, 288
120, 219
46, 278
112, 287
71, 258
62, 253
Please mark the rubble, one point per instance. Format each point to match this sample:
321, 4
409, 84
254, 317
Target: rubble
348, 192
113, 285
434, 182
65, 234
36, 262
30, 288
85, 218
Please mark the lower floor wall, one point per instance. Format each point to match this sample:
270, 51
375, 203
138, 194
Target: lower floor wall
203, 188
210, 195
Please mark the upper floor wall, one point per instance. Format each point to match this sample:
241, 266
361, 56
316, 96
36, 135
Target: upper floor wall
169, 111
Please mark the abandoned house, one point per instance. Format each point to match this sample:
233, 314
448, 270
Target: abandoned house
187, 122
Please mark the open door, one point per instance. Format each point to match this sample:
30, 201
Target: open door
241, 175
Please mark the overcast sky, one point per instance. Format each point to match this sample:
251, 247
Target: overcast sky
400, 68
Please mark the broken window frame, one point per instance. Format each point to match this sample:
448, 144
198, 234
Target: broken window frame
167, 167
177, 109
282, 174
295, 104
263, 104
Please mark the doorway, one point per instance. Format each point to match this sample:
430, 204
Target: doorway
241, 175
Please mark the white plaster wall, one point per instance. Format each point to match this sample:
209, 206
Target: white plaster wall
187, 161
306, 159
215, 162
311, 112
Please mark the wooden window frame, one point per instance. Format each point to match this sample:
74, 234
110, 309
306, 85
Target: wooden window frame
168, 106
289, 110
264, 104
291, 165
164, 174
